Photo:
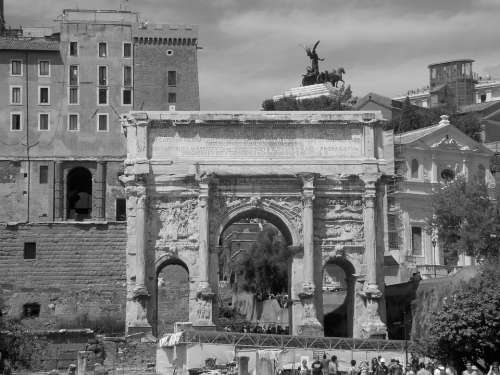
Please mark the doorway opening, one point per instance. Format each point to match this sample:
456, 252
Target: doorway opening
79, 194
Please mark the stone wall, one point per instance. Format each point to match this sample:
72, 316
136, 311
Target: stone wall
77, 277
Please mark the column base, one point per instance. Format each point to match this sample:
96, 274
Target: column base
138, 327
374, 329
310, 328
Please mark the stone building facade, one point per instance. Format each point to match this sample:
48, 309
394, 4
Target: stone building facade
426, 158
63, 223
318, 177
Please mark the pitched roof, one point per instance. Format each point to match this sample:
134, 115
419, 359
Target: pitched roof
478, 107
384, 101
413, 135
31, 44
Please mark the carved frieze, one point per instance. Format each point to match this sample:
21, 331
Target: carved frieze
178, 218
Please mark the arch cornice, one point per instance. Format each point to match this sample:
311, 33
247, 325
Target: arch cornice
167, 259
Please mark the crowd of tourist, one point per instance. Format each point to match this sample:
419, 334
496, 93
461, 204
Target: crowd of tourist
378, 366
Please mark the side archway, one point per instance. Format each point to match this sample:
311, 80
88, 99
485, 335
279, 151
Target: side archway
338, 297
172, 294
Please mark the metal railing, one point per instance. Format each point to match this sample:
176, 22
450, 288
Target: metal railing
255, 340
436, 270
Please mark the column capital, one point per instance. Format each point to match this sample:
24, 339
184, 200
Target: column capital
307, 180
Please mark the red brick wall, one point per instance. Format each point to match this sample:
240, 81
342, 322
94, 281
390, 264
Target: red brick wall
78, 276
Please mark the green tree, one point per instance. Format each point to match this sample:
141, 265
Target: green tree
466, 325
466, 219
410, 119
265, 267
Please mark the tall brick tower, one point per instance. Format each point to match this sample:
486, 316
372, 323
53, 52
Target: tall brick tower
452, 83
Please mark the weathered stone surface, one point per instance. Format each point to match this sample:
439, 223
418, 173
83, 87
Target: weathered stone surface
309, 174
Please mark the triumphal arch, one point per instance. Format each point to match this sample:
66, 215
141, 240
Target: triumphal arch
317, 176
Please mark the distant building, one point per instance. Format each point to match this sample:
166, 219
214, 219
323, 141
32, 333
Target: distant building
424, 158
455, 84
63, 220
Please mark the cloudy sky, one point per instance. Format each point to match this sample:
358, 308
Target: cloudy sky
252, 49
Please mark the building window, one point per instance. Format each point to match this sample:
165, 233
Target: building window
103, 49
102, 122
73, 95
31, 310
434, 100
483, 98
172, 98
44, 174
44, 68
79, 194
127, 76
481, 174
416, 241
127, 50
43, 121
172, 78
73, 75
73, 48
102, 96
121, 209
103, 75
16, 68
15, 95
447, 174
127, 97
44, 95
15, 122
30, 250
414, 168
73, 122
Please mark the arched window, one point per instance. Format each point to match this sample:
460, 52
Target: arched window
414, 168
79, 194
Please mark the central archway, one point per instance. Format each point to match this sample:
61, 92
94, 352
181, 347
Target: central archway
253, 239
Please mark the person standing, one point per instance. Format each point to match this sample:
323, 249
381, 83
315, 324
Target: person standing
494, 369
304, 369
468, 368
333, 367
317, 367
325, 362
352, 370
382, 368
422, 370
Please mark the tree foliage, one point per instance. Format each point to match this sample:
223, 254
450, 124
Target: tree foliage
342, 101
413, 117
19, 344
466, 219
466, 325
265, 267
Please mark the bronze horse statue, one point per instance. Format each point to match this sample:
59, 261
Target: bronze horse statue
334, 77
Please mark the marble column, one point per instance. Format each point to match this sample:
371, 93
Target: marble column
203, 316
140, 292
372, 325
310, 325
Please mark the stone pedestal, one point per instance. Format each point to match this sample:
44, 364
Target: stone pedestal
309, 92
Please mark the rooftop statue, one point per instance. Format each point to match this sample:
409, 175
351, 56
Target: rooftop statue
314, 76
